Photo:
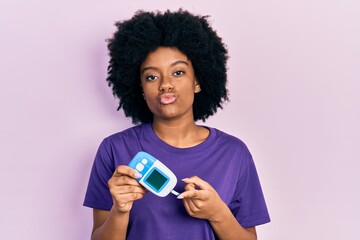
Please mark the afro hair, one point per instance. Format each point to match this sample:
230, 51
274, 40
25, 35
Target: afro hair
135, 38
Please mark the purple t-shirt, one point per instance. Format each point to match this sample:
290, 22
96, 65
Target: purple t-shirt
222, 160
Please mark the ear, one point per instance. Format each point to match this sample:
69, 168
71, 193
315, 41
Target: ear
197, 86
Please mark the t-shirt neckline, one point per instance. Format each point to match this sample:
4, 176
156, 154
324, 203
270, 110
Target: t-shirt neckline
149, 131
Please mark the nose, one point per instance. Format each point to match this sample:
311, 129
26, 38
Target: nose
166, 85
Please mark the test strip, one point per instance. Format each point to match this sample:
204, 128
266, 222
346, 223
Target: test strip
175, 193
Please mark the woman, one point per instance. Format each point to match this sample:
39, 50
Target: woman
169, 70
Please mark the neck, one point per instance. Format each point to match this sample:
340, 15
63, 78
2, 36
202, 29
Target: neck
180, 134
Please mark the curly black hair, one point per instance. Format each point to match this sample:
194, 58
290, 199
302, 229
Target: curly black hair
135, 38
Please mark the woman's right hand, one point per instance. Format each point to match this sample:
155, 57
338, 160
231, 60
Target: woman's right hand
124, 188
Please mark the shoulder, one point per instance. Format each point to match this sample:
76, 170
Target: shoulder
125, 135
232, 147
228, 139
129, 137
119, 147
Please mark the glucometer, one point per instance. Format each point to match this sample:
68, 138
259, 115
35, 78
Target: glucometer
156, 177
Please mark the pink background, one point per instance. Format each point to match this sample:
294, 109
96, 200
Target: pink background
294, 86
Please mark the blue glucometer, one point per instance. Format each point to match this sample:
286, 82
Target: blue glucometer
156, 177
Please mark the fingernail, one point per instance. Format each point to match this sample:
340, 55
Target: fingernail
137, 175
180, 196
184, 179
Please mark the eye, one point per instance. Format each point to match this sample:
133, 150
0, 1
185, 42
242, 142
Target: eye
178, 73
151, 78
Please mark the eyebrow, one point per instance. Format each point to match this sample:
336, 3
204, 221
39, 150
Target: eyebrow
173, 64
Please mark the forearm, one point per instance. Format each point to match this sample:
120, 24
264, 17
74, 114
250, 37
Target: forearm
113, 228
227, 227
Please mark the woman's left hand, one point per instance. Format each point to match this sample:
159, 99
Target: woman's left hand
201, 200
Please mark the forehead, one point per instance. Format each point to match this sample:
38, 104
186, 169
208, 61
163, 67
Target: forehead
164, 56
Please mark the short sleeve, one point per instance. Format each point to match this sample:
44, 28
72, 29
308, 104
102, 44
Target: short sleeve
97, 194
248, 204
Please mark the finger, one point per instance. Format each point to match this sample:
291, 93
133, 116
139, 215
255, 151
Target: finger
126, 170
194, 194
198, 182
190, 207
130, 189
193, 207
128, 197
186, 205
189, 186
123, 180
194, 204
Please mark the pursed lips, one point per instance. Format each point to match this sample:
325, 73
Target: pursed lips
167, 98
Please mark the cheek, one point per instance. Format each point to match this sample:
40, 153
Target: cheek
149, 91
188, 95
148, 94
150, 98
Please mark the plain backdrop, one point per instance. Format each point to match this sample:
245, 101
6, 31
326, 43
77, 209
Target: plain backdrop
294, 82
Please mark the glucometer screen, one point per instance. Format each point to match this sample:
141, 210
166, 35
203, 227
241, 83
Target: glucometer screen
156, 179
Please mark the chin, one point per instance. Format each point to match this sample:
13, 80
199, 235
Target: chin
169, 115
